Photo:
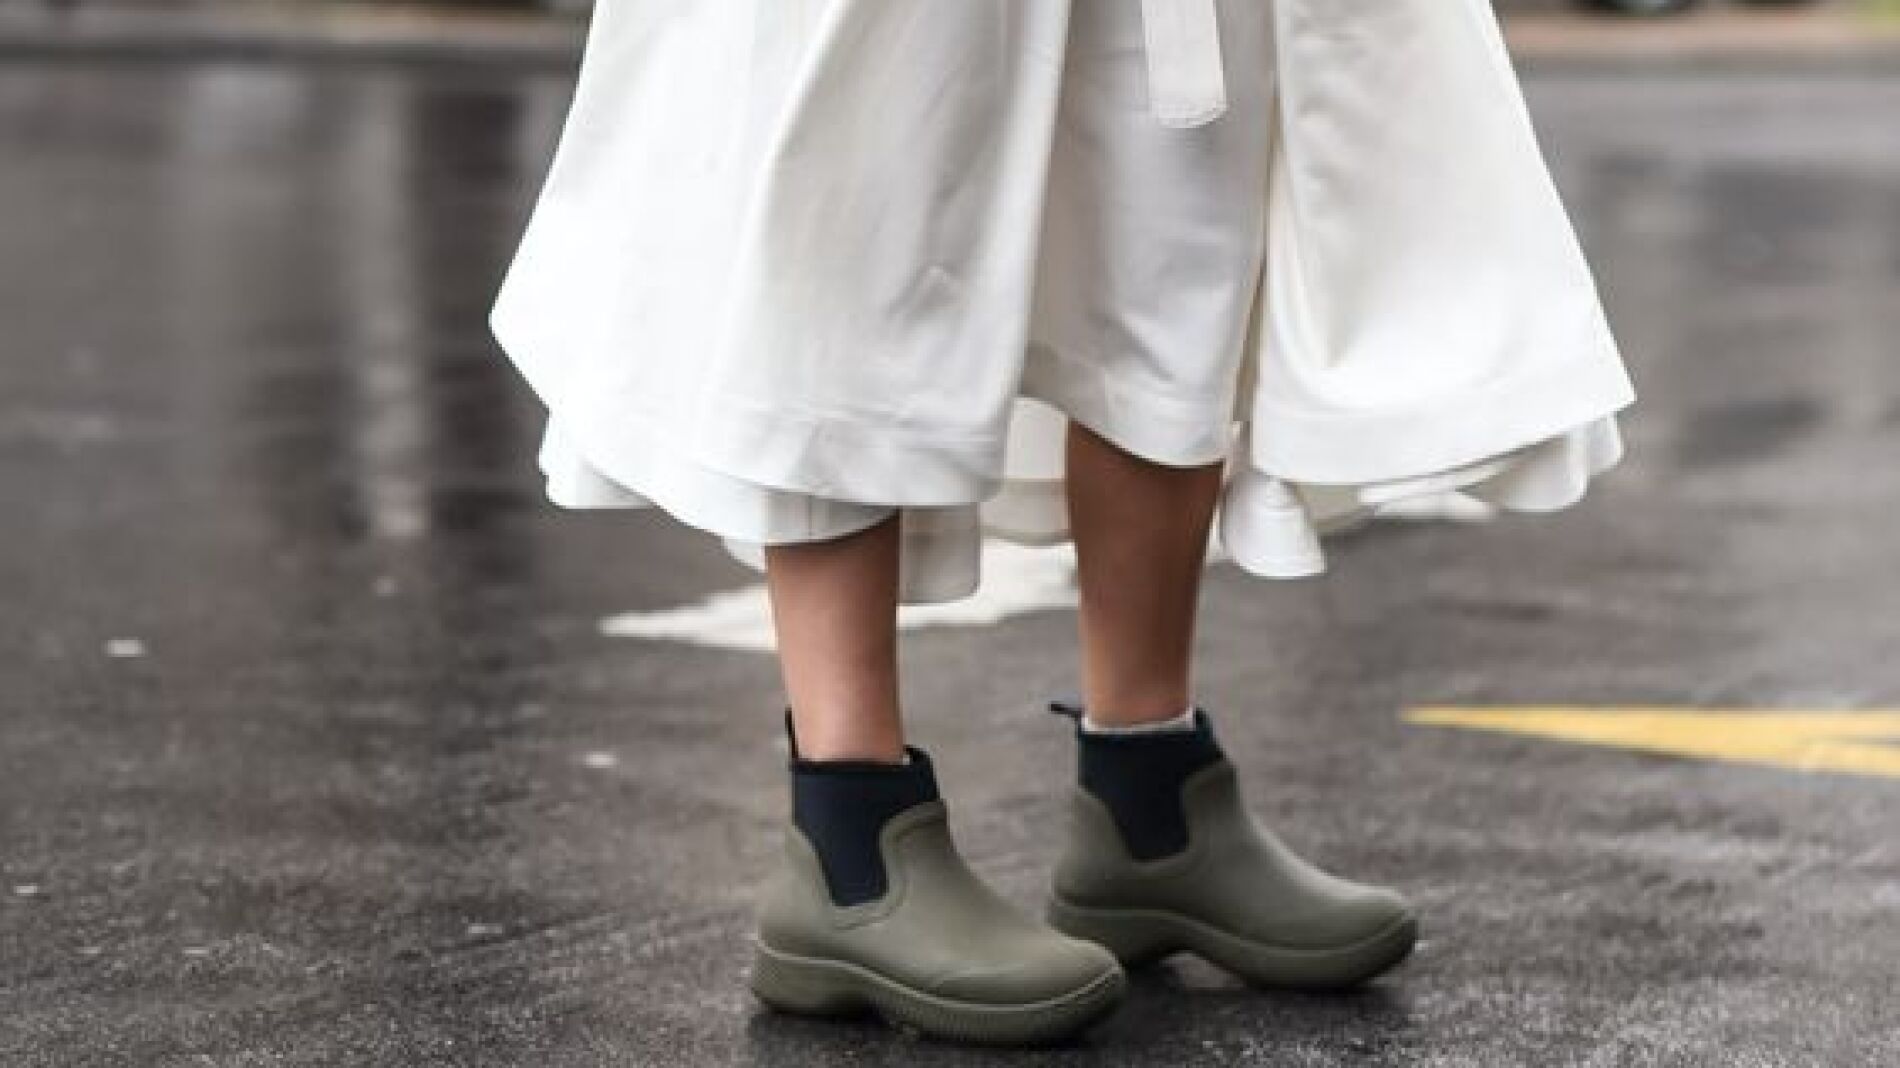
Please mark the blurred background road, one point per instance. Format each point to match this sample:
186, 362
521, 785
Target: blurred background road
550, 32
325, 741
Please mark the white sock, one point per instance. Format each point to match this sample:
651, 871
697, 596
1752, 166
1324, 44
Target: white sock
1182, 722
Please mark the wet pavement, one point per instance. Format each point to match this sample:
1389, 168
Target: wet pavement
314, 752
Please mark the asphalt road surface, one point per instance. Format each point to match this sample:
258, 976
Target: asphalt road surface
314, 750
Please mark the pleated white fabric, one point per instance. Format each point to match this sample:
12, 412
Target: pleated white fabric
801, 263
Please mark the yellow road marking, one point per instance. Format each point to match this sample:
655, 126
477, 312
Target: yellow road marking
1857, 743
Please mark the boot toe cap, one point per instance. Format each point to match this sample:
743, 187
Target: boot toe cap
1357, 914
1057, 967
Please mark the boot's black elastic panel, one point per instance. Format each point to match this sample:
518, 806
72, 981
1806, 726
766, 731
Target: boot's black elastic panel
1138, 777
842, 805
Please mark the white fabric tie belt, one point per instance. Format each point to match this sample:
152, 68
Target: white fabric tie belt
1186, 84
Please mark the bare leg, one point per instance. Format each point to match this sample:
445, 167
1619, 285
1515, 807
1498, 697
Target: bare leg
834, 607
1141, 531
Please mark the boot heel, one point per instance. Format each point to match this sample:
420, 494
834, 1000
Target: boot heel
1134, 937
790, 984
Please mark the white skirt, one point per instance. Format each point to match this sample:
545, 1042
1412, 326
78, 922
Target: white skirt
799, 264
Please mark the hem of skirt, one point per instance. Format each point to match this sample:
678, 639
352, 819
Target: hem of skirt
845, 457
939, 557
1268, 527
627, 456
849, 458
743, 453
1441, 434
1156, 426
647, 463
1274, 529
654, 476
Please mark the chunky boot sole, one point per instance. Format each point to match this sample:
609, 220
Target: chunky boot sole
814, 986
1137, 936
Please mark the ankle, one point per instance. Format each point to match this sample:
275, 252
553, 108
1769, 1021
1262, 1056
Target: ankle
1136, 702
1181, 721
865, 738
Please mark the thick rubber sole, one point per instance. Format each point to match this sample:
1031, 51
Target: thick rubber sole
1137, 936
815, 986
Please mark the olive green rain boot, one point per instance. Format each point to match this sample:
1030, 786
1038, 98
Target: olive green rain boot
873, 908
1162, 855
